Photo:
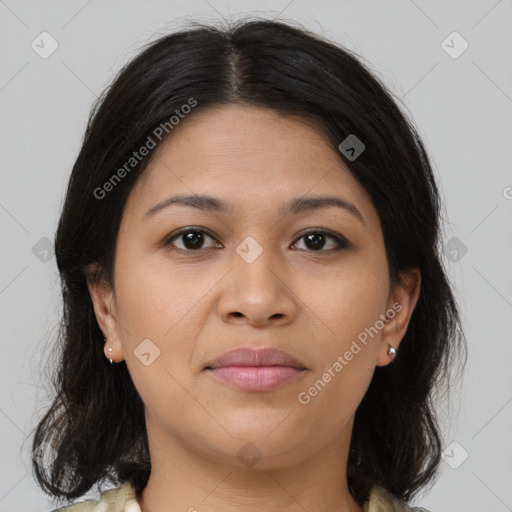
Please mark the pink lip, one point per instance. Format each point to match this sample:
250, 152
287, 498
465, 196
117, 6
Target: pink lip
256, 369
256, 378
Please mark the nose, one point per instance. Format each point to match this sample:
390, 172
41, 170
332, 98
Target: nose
258, 293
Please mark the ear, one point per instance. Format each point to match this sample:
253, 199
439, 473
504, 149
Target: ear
401, 303
103, 300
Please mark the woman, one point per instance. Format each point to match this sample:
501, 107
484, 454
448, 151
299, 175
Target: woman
256, 315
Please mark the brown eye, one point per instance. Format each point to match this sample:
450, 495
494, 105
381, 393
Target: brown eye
191, 239
316, 240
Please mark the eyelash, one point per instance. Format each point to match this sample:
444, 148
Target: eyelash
342, 242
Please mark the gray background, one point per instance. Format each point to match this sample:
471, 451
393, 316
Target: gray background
462, 107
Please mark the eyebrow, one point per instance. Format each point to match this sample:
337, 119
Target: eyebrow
295, 206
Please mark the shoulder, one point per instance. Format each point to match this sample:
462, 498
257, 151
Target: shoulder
118, 499
382, 501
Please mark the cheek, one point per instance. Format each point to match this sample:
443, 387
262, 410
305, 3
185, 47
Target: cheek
349, 305
345, 352
151, 303
332, 398
349, 300
153, 295
157, 313
165, 304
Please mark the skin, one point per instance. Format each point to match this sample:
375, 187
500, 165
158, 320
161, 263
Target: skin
307, 300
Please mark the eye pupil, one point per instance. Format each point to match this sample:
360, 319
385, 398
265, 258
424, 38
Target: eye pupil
315, 240
193, 239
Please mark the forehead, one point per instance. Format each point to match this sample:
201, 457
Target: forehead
239, 153
243, 132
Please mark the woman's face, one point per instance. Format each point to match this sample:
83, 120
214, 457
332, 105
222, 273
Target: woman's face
250, 275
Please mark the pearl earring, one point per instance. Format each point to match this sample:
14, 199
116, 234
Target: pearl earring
391, 352
109, 352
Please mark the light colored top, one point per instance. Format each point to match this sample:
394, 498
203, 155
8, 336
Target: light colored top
123, 499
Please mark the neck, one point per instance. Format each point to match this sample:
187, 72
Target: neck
188, 478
